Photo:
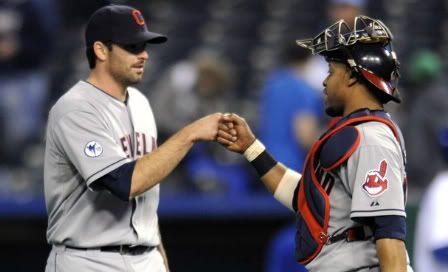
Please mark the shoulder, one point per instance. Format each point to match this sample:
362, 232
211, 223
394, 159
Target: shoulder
377, 134
75, 100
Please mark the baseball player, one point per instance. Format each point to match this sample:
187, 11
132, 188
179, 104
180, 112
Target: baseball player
102, 165
349, 199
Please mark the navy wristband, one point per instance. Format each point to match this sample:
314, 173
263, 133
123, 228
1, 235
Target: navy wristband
263, 163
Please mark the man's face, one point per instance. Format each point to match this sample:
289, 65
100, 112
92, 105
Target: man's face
127, 63
335, 88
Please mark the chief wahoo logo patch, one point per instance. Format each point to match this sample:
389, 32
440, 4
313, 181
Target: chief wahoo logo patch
376, 183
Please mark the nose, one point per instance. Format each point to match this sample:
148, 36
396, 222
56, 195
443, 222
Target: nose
324, 83
144, 55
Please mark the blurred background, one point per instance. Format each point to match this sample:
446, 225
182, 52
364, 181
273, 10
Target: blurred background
222, 55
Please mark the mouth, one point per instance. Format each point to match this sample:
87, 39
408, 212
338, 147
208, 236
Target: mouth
139, 67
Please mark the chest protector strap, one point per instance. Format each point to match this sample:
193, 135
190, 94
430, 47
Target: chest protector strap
313, 202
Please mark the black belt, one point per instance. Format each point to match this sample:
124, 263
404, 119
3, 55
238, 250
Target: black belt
350, 235
123, 249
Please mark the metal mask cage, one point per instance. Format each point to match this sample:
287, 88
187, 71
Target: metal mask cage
339, 34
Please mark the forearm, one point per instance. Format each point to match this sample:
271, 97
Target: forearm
391, 255
269, 170
272, 178
278, 179
155, 166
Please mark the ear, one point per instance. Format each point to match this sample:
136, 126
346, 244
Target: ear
352, 79
101, 51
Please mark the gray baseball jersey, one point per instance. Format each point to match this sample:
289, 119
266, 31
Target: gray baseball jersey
370, 183
89, 134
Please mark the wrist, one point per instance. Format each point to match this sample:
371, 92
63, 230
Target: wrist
185, 136
260, 158
254, 150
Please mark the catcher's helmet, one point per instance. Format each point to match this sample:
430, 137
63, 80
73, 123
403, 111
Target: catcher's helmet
367, 50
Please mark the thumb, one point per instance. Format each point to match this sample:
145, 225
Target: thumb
233, 117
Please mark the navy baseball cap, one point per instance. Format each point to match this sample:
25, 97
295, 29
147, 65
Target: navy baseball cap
120, 24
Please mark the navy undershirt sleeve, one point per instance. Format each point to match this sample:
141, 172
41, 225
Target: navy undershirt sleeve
389, 226
118, 181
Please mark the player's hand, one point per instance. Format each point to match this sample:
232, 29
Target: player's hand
204, 129
234, 133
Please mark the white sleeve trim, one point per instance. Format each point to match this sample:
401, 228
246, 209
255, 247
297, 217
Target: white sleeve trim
374, 213
286, 188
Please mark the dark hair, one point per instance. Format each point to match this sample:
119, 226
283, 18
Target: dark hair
91, 56
378, 94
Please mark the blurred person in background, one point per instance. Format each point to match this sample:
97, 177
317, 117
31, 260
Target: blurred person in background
291, 120
26, 43
316, 70
69, 63
431, 236
192, 88
290, 109
424, 114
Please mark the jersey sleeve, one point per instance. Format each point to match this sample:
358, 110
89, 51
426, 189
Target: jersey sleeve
376, 177
88, 144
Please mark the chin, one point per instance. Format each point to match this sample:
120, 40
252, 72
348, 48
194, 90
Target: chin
133, 81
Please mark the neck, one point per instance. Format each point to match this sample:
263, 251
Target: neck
361, 98
107, 83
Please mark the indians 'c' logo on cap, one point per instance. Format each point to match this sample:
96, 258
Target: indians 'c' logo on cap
138, 17
376, 183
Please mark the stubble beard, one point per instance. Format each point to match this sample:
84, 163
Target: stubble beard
129, 81
334, 111
126, 79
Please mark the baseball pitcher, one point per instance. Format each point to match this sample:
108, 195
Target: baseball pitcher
102, 165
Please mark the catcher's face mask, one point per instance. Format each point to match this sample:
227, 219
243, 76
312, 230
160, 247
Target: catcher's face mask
339, 34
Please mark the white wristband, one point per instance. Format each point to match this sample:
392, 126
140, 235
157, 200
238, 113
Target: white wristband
254, 150
284, 192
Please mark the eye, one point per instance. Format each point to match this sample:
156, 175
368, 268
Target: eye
135, 48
